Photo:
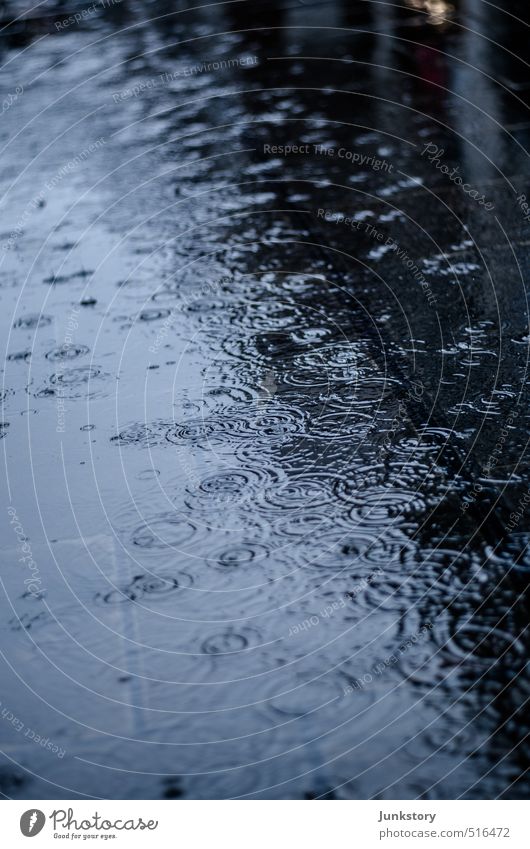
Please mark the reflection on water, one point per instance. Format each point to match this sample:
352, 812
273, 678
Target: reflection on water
268, 497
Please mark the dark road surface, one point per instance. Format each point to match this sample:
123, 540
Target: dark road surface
263, 282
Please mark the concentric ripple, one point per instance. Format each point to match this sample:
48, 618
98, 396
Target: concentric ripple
266, 421
327, 365
382, 506
244, 554
229, 641
168, 530
73, 383
237, 486
67, 352
146, 585
143, 435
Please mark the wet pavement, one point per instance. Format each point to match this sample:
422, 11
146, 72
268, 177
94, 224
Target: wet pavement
265, 400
